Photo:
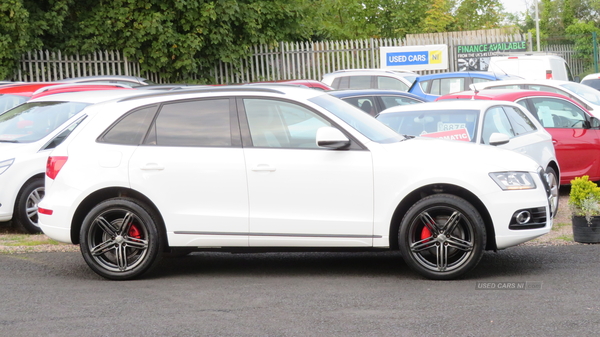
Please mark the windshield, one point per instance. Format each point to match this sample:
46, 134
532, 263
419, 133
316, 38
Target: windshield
587, 93
31, 122
445, 124
357, 119
10, 101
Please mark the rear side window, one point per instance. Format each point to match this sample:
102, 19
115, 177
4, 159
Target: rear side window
131, 129
359, 82
384, 82
390, 101
192, 123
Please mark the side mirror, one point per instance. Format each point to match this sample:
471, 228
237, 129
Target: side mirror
497, 138
594, 123
332, 138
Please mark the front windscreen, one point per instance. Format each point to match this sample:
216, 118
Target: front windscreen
10, 101
587, 93
445, 124
30, 122
357, 119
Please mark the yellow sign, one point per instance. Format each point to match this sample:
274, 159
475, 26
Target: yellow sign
435, 56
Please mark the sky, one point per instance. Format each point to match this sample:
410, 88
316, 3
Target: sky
516, 6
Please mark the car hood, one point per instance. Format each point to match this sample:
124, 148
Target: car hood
461, 155
12, 150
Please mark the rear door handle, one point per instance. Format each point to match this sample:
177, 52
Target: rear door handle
263, 168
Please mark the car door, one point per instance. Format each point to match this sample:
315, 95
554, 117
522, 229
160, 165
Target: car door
191, 165
300, 194
577, 145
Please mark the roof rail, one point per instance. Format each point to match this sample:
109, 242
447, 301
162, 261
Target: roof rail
185, 91
69, 85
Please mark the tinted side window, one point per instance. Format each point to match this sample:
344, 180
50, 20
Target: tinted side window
193, 123
131, 129
521, 124
425, 86
384, 82
435, 87
359, 82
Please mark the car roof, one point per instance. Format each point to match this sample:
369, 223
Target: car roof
25, 89
498, 94
89, 96
591, 77
377, 92
476, 74
152, 96
445, 105
135, 79
373, 70
553, 83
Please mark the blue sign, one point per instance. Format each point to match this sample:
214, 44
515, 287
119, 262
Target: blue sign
407, 58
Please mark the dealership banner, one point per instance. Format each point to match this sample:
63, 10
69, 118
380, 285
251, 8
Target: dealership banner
430, 57
477, 56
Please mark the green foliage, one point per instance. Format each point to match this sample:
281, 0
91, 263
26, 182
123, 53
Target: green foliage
584, 198
479, 14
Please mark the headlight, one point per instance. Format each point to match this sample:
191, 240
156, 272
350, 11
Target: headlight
513, 180
4, 165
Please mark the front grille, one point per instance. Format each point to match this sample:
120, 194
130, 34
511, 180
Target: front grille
537, 219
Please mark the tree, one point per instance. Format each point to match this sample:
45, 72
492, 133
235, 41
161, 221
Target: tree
479, 14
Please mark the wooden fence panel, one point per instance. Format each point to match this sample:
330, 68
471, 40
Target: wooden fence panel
281, 61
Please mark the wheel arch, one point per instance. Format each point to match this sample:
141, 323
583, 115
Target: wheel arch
554, 166
427, 190
25, 183
113, 192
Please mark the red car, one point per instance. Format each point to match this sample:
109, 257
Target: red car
12, 95
575, 132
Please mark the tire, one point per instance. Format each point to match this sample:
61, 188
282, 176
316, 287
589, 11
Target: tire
119, 252
26, 206
433, 249
554, 184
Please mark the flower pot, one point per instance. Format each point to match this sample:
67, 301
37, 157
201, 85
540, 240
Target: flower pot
584, 232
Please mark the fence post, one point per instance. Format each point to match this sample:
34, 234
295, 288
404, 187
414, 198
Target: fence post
595, 51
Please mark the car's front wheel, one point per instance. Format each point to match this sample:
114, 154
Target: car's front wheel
119, 239
26, 207
442, 237
554, 186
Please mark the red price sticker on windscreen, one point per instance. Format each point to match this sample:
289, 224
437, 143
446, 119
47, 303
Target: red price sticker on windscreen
458, 134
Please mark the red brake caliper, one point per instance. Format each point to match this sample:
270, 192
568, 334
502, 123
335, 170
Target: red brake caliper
425, 233
134, 232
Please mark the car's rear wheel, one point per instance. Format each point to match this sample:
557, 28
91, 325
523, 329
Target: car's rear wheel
26, 207
554, 185
119, 239
442, 237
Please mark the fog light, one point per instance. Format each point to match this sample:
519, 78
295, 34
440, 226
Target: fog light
523, 217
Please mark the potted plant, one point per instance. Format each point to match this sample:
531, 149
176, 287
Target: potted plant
584, 202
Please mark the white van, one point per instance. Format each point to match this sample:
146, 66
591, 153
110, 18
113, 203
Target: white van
532, 66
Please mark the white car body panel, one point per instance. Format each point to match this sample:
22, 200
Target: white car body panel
357, 192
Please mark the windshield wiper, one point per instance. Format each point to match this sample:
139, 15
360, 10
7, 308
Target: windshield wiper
8, 141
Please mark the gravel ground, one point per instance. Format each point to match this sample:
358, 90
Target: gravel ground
12, 241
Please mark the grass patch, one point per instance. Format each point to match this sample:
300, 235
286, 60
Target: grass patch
568, 238
558, 226
26, 240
